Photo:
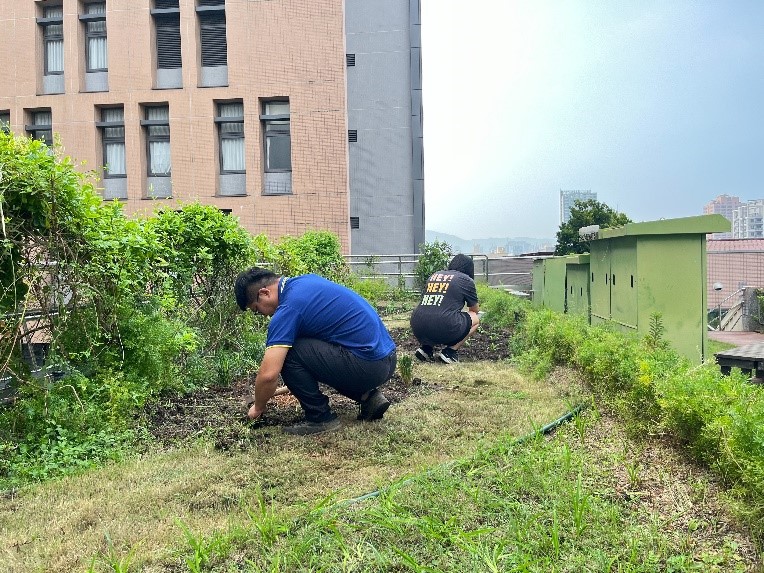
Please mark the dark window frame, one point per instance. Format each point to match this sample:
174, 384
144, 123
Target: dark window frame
154, 137
46, 23
91, 33
220, 121
41, 131
107, 137
274, 121
5, 121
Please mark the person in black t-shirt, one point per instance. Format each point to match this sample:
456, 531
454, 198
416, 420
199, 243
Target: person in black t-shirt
440, 317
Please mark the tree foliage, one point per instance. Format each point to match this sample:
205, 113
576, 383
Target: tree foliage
583, 214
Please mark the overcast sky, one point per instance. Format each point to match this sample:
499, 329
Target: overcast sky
657, 106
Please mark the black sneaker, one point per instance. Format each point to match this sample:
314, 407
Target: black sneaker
448, 355
374, 407
424, 353
306, 428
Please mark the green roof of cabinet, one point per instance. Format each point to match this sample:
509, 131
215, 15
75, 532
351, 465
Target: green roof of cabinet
700, 224
577, 259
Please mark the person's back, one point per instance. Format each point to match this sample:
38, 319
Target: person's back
314, 307
439, 318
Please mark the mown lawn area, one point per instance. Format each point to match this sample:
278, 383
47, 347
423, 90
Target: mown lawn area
440, 484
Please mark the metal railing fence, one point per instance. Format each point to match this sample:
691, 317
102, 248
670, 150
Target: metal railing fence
512, 273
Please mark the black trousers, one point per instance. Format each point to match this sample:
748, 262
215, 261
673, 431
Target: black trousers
311, 361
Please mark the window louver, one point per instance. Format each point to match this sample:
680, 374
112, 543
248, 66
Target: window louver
168, 42
213, 36
355, 222
350, 60
352, 135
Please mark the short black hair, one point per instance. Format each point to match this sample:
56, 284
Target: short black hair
463, 264
249, 282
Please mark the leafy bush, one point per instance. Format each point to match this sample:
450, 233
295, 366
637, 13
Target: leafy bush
129, 309
433, 257
719, 418
373, 290
313, 252
501, 308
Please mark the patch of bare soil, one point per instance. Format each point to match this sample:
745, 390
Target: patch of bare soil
220, 412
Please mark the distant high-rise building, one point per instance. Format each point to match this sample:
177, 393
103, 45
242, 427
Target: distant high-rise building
722, 205
568, 197
748, 220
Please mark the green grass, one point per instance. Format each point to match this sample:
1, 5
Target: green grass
715, 346
440, 484
148, 505
543, 505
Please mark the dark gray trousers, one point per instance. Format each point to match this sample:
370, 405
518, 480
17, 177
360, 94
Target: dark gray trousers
311, 361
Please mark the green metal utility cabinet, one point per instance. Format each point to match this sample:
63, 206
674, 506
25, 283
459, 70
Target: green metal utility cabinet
577, 281
554, 283
538, 283
562, 283
657, 266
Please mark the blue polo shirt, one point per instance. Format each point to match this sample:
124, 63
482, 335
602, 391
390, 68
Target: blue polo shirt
311, 306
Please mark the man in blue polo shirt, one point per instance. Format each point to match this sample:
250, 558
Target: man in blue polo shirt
319, 331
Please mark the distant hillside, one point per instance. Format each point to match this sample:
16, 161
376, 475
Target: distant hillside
508, 245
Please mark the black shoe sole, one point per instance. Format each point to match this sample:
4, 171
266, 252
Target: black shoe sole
422, 355
446, 360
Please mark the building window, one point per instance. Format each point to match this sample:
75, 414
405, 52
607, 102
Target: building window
5, 121
52, 23
166, 15
41, 126
278, 141
157, 125
212, 32
112, 126
96, 55
352, 135
355, 222
350, 60
230, 121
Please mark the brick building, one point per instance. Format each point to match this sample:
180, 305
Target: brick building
254, 106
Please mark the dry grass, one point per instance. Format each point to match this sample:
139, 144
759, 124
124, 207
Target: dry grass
137, 504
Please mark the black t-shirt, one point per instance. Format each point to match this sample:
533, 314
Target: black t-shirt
438, 319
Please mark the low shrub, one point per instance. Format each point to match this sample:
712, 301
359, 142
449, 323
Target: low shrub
718, 418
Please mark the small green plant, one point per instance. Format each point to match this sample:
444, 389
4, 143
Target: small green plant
115, 562
200, 555
580, 502
267, 522
406, 368
654, 338
555, 534
581, 423
632, 470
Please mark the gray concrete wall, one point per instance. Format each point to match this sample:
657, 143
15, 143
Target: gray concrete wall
384, 94
753, 318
